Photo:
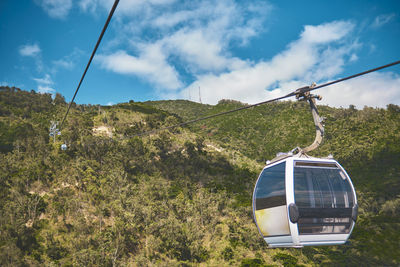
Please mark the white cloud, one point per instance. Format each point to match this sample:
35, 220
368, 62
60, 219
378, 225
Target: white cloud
192, 36
88, 5
135, 6
374, 89
126, 7
64, 63
326, 32
372, 48
58, 9
304, 60
45, 90
172, 19
202, 52
44, 85
201, 36
33, 51
68, 61
29, 50
151, 64
332, 61
353, 58
46, 80
382, 20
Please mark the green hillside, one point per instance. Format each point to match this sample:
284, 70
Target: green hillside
180, 197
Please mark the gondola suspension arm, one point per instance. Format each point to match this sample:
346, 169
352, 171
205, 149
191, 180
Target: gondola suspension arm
305, 95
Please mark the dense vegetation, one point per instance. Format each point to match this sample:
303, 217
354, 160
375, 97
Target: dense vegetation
178, 197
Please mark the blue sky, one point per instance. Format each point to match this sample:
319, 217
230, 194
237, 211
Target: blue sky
167, 49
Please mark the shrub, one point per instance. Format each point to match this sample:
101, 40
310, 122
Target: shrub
286, 259
252, 263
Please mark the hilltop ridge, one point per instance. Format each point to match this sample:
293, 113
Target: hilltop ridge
180, 197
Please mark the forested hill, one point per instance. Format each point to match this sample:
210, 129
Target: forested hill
180, 197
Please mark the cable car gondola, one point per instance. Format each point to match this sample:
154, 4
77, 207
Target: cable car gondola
300, 200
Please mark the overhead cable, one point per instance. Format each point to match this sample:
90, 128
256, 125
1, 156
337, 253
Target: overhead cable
353, 76
91, 58
301, 90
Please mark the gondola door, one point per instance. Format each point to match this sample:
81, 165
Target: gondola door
326, 202
270, 205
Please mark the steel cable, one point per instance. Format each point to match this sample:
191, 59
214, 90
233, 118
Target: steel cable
91, 58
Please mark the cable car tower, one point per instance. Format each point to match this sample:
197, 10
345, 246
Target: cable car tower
54, 131
300, 200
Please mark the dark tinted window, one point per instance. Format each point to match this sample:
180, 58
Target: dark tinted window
324, 225
324, 197
270, 188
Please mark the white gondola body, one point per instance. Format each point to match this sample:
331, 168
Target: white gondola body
326, 214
